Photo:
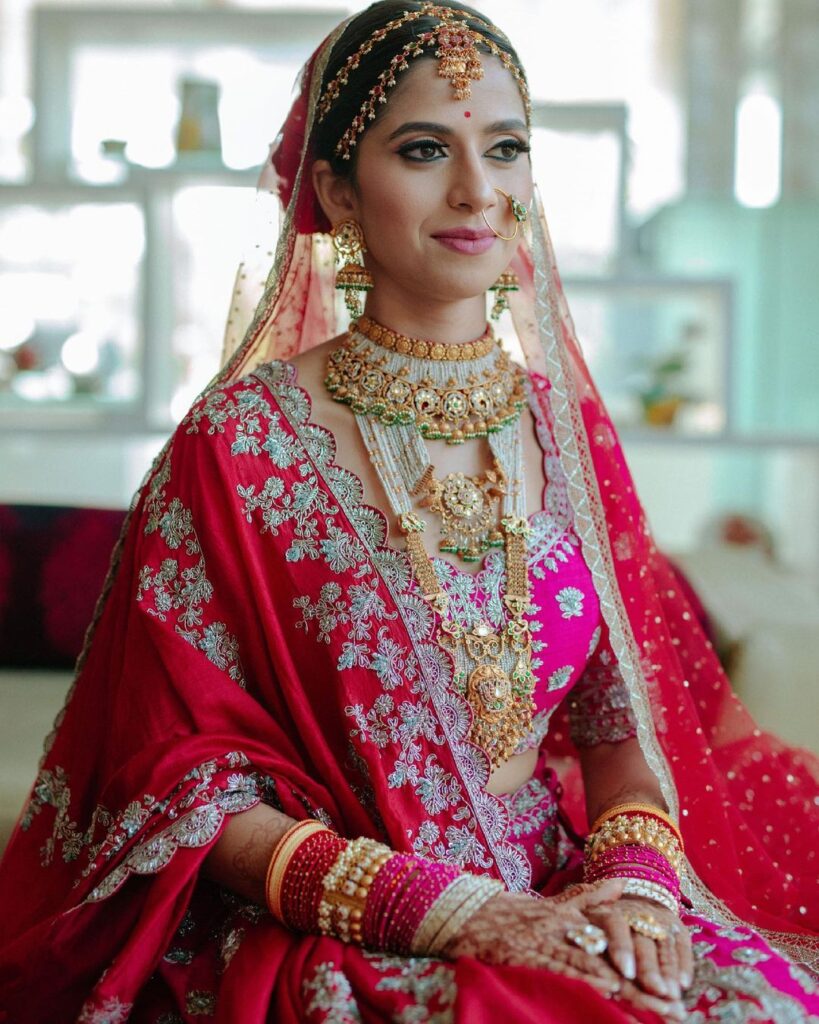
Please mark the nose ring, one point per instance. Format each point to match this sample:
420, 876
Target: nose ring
518, 210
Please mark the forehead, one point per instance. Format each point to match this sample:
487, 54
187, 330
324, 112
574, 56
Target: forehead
423, 95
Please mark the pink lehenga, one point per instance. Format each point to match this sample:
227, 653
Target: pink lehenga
260, 639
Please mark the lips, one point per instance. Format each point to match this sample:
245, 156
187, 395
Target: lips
472, 241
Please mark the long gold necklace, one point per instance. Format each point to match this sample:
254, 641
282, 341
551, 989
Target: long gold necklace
501, 700
492, 665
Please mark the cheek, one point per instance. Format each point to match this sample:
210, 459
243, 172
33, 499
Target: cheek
395, 215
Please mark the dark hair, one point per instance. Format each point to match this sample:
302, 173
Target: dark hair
359, 30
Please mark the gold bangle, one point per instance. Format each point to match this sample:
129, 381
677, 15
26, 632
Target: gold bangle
282, 855
438, 914
619, 809
479, 895
347, 886
623, 831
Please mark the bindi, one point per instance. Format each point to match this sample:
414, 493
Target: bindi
467, 113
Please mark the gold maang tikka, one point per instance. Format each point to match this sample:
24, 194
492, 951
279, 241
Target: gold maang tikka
459, 62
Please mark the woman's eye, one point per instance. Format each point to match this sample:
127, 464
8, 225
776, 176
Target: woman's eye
423, 151
509, 149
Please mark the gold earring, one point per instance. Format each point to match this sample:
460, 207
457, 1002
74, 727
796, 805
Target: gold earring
518, 211
507, 282
348, 242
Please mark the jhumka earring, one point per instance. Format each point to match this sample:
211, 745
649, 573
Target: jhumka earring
348, 242
518, 211
507, 282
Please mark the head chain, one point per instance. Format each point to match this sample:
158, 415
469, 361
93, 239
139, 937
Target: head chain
450, 36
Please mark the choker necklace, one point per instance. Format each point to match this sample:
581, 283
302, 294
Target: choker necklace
449, 392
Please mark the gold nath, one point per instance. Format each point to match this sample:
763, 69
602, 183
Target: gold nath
459, 62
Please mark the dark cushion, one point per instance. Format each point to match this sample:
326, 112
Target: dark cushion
53, 563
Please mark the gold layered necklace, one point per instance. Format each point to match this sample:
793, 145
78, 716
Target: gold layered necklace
492, 664
449, 392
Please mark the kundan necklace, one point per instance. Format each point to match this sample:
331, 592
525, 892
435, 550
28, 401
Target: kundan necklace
492, 665
454, 392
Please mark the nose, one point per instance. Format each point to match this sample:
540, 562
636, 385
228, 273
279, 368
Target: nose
470, 188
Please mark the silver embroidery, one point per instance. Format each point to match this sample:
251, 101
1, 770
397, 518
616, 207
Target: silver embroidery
429, 984
330, 997
737, 995
110, 1011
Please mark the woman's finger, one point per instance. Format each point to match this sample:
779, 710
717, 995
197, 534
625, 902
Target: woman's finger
588, 963
577, 964
669, 965
648, 969
620, 939
667, 1009
685, 955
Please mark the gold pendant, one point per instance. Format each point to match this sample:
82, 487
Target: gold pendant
468, 507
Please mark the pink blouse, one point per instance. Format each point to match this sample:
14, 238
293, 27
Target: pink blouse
570, 640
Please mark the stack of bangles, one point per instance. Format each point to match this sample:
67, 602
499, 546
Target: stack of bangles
642, 844
360, 891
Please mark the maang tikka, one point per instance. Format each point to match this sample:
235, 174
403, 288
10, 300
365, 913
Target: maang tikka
353, 277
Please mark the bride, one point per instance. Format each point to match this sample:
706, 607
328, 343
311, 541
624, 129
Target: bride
391, 709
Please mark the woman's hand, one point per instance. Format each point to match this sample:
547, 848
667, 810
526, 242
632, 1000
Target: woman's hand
663, 967
516, 929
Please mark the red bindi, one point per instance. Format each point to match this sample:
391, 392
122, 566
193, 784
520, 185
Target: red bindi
467, 113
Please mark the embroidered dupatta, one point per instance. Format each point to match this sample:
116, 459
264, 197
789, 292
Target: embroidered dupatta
257, 640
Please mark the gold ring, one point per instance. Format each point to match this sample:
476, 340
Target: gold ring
589, 938
519, 212
647, 925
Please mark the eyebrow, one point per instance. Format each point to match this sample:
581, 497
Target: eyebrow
510, 124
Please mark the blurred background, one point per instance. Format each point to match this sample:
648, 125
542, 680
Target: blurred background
677, 150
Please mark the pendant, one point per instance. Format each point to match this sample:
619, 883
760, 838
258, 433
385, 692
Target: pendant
489, 691
468, 507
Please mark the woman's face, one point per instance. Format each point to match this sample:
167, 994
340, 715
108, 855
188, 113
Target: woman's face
426, 171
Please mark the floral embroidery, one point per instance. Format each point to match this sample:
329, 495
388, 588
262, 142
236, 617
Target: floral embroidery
356, 618
749, 955
229, 946
111, 1011
177, 955
559, 678
330, 996
200, 1003
532, 808
195, 820
599, 705
185, 590
737, 995
734, 934
570, 600
803, 980
429, 984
